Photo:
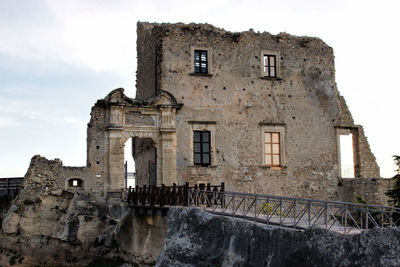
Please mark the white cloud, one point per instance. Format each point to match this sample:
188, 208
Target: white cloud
8, 122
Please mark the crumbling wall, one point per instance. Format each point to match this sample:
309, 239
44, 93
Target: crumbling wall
234, 97
372, 190
96, 151
45, 176
368, 165
148, 69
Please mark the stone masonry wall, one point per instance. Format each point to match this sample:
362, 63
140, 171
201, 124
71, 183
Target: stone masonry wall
372, 190
368, 166
147, 65
305, 103
96, 156
45, 176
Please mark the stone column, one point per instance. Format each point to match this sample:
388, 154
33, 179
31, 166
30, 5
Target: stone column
116, 160
115, 150
168, 146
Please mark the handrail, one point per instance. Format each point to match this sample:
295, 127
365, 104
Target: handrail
313, 200
299, 213
10, 186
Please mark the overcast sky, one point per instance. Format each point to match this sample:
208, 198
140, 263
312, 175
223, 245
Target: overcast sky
58, 57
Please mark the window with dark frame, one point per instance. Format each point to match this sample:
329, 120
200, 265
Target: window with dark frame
272, 149
200, 61
202, 148
270, 66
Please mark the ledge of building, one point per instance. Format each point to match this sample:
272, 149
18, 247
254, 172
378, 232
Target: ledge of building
201, 74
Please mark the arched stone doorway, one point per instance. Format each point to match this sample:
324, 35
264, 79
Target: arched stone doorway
118, 118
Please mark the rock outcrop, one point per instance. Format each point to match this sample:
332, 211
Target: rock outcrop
48, 226
197, 238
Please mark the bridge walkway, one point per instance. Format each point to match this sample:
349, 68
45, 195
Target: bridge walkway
288, 212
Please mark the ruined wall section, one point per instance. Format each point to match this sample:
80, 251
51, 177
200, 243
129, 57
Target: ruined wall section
148, 51
48, 176
345, 118
96, 142
367, 160
239, 102
372, 190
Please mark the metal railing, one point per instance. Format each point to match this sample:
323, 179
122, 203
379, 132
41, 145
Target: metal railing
299, 213
296, 213
161, 196
10, 186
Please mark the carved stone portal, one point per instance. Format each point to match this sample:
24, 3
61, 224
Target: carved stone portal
116, 119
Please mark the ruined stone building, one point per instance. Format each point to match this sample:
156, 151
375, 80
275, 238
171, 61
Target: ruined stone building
260, 112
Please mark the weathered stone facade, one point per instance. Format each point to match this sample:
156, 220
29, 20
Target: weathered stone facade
237, 104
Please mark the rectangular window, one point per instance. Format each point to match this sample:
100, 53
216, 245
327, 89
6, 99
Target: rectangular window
202, 148
270, 66
272, 148
200, 61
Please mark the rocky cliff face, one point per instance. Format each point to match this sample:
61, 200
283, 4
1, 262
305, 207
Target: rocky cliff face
47, 226
61, 228
197, 238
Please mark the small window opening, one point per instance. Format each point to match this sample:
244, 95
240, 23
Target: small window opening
75, 182
200, 61
201, 148
272, 149
270, 66
346, 156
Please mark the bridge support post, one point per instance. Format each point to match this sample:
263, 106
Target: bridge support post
186, 195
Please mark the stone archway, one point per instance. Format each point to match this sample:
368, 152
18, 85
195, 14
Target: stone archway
117, 118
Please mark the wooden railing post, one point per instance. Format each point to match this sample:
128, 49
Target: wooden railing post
152, 195
173, 195
186, 195
162, 195
143, 196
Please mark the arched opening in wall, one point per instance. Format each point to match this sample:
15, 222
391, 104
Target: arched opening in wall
129, 165
144, 153
346, 153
